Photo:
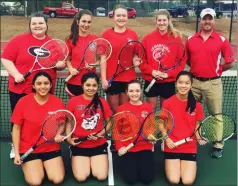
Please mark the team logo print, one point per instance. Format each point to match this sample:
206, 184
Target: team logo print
159, 50
144, 114
39, 52
90, 123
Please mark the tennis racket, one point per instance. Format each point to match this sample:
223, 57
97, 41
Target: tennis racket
115, 127
215, 128
169, 57
125, 58
156, 126
97, 52
58, 124
48, 55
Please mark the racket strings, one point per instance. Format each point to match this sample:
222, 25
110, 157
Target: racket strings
59, 123
96, 49
57, 50
124, 126
217, 128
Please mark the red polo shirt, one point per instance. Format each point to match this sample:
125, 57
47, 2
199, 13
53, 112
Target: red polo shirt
205, 56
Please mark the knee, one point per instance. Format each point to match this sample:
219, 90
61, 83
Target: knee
101, 177
187, 181
146, 179
173, 180
81, 177
34, 181
57, 180
130, 180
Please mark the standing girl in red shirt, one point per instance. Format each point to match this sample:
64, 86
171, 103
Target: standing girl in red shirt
180, 161
77, 41
90, 111
138, 163
154, 43
118, 36
28, 117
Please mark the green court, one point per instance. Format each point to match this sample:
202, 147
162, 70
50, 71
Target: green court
210, 171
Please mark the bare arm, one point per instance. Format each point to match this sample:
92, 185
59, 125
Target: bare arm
16, 133
227, 66
10, 67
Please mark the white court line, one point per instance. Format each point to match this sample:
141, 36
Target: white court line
110, 169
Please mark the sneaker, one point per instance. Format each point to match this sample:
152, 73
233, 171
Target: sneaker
12, 153
217, 153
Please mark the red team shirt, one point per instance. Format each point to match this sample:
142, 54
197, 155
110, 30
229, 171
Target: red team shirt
76, 53
184, 124
88, 123
205, 57
31, 118
153, 43
118, 40
141, 111
20, 50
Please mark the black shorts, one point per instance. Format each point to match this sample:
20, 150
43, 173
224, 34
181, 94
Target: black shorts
117, 87
44, 156
89, 152
181, 156
75, 89
165, 90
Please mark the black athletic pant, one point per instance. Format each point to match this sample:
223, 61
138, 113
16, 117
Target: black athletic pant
14, 98
137, 166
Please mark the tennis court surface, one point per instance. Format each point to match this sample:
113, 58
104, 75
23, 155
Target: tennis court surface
210, 171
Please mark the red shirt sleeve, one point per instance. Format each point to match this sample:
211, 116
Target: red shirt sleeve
181, 66
199, 112
11, 50
227, 52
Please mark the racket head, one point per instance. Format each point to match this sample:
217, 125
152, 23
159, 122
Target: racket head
97, 52
158, 125
170, 55
217, 128
60, 122
55, 50
128, 51
123, 126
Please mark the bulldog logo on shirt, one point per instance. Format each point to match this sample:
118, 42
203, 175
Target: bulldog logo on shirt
158, 51
90, 123
144, 114
39, 52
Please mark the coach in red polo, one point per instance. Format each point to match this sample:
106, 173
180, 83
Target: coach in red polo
205, 51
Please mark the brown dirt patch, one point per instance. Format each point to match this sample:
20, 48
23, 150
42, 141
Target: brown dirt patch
60, 27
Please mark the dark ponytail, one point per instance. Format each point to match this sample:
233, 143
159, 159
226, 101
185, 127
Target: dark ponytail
93, 105
191, 105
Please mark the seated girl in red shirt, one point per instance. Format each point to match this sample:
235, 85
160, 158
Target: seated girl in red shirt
28, 117
90, 111
138, 163
180, 161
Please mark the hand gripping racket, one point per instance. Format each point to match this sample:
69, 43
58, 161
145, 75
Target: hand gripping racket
60, 123
214, 128
169, 57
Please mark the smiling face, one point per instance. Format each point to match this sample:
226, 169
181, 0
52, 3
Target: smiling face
42, 86
134, 92
85, 23
90, 87
162, 23
183, 85
38, 26
120, 17
207, 23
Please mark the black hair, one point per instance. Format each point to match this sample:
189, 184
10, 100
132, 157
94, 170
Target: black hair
96, 100
38, 14
74, 35
45, 74
191, 105
133, 81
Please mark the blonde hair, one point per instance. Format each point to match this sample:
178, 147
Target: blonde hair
171, 30
117, 7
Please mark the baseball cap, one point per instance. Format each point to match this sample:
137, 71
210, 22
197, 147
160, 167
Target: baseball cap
208, 11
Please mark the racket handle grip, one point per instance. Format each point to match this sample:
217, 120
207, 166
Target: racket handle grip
80, 139
26, 154
150, 85
180, 142
110, 82
129, 146
68, 78
24, 76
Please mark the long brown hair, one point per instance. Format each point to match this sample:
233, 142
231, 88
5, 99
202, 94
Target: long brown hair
171, 30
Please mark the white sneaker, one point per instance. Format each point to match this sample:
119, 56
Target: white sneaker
12, 153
